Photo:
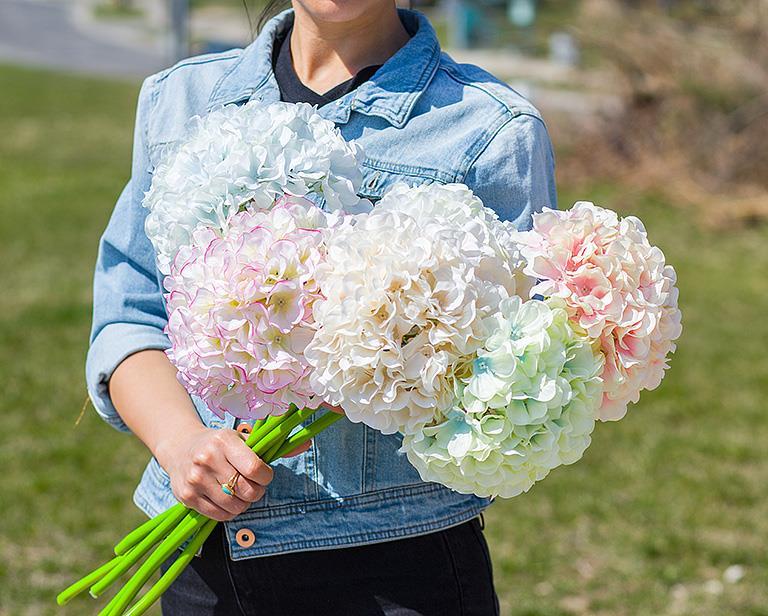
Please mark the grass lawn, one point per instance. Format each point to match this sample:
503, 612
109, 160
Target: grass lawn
662, 505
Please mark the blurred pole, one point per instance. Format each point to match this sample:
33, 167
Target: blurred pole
522, 14
179, 29
457, 18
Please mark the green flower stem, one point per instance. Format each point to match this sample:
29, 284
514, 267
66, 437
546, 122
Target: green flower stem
128, 560
260, 429
186, 528
305, 434
136, 535
280, 447
259, 422
82, 584
282, 427
275, 441
269, 455
270, 439
154, 593
268, 425
281, 432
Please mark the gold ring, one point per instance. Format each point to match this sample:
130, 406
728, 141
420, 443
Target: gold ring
230, 488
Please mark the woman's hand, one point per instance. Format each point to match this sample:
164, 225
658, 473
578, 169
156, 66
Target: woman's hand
199, 461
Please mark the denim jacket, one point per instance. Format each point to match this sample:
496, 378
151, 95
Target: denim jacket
421, 118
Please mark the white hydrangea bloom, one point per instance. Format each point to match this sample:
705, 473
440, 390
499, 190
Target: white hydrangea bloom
524, 405
458, 206
407, 288
247, 156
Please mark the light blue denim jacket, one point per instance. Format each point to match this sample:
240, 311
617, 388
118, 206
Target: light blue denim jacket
421, 118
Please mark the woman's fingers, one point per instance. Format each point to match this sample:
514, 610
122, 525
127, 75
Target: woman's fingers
334, 409
248, 490
231, 503
224, 456
299, 450
242, 458
211, 510
218, 461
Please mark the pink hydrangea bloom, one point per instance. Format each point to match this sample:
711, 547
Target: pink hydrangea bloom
240, 309
617, 287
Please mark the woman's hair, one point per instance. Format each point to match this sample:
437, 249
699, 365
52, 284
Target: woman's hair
271, 8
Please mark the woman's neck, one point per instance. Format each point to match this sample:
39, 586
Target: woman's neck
326, 54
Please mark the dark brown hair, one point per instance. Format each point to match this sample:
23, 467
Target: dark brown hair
271, 8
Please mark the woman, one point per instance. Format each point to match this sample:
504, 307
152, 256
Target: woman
346, 527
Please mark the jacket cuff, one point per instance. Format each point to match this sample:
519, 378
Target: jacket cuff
111, 346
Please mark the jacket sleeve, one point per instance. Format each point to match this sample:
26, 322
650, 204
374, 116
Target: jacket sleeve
128, 309
515, 173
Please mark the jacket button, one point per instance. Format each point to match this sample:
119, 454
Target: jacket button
244, 428
245, 537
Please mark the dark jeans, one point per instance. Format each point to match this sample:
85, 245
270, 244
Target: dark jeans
446, 573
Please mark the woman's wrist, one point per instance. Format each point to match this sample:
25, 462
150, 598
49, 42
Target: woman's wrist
168, 447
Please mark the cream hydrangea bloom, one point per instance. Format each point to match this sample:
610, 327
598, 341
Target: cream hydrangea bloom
456, 206
247, 156
616, 285
406, 290
524, 405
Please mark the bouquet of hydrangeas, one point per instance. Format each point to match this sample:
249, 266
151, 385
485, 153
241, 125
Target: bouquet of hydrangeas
493, 352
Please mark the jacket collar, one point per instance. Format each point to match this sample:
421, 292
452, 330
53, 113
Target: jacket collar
391, 93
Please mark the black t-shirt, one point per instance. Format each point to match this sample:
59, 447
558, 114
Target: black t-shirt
291, 88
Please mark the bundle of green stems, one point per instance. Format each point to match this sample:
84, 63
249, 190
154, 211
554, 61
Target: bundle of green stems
271, 438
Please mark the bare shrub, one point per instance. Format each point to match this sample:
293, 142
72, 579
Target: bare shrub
695, 117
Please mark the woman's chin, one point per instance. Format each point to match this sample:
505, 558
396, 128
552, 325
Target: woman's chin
340, 11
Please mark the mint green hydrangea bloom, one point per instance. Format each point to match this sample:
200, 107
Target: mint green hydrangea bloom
525, 404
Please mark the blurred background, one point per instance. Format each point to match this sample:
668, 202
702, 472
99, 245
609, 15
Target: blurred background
657, 108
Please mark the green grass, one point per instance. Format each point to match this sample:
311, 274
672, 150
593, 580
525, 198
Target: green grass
661, 505
64, 156
111, 10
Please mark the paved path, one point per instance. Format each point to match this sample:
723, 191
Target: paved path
46, 33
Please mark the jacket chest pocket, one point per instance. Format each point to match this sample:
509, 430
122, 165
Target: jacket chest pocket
379, 176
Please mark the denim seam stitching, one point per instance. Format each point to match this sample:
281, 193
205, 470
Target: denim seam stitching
406, 101
329, 504
411, 170
493, 135
481, 145
351, 540
196, 62
425, 79
153, 94
315, 471
217, 86
372, 437
380, 535
512, 109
